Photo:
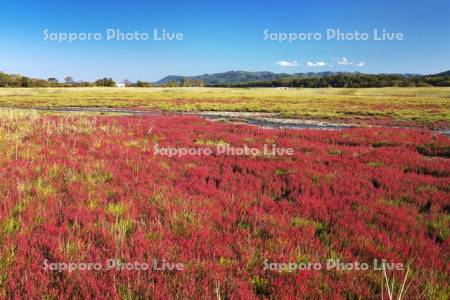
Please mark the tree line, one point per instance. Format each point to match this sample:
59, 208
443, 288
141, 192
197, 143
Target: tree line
336, 81
16, 80
349, 81
172, 83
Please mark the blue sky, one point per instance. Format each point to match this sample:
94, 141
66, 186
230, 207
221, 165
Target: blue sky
221, 36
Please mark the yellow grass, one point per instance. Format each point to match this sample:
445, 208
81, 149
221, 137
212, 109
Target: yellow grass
423, 105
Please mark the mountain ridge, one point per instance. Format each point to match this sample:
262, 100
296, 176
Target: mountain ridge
239, 76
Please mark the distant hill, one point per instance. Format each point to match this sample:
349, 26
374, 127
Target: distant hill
230, 77
446, 73
254, 79
310, 79
233, 77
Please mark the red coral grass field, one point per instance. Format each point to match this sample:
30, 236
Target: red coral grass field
83, 189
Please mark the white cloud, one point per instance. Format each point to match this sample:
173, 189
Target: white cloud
316, 64
288, 64
345, 62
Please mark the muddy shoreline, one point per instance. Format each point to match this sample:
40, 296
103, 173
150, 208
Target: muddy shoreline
260, 119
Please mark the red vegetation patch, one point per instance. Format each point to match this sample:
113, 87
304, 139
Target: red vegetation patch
88, 195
